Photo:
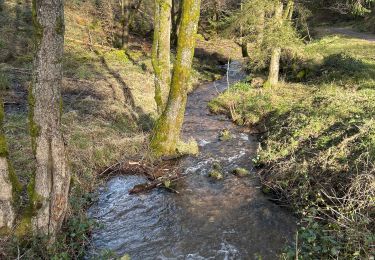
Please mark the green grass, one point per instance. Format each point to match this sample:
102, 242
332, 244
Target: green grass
318, 150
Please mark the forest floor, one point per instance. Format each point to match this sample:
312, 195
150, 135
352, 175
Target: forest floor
318, 139
347, 31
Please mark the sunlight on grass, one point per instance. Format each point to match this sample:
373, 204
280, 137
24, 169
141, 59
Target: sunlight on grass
319, 145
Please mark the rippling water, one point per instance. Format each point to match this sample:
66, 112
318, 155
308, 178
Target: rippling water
227, 219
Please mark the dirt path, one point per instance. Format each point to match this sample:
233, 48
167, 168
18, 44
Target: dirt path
349, 32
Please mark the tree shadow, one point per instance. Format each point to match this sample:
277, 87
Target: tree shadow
145, 121
339, 68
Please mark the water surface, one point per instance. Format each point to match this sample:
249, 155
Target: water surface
227, 219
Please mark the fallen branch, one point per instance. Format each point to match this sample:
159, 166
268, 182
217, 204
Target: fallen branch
144, 187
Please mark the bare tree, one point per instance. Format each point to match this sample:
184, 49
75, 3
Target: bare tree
125, 22
50, 184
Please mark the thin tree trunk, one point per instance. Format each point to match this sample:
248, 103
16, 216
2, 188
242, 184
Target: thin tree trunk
10, 187
133, 13
50, 184
167, 130
289, 10
273, 77
215, 17
260, 29
125, 21
243, 42
161, 52
176, 19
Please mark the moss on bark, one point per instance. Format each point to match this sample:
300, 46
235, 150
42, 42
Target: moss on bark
167, 130
273, 77
9, 184
161, 52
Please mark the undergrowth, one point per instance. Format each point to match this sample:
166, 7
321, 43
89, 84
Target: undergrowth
318, 140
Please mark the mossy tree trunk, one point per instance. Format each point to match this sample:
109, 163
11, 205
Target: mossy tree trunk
50, 184
10, 187
161, 49
288, 13
125, 21
168, 127
273, 77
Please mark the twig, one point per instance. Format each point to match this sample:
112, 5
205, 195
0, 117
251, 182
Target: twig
228, 67
297, 245
216, 88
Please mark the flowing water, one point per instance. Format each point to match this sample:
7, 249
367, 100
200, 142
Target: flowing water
226, 219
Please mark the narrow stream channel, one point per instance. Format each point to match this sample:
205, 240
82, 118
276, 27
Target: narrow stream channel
226, 219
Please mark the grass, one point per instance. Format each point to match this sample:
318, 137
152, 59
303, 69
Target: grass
317, 151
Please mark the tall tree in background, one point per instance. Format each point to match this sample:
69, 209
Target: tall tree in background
10, 187
273, 77
288, 13
161, 49
125, 22
50, 184
176, 19
168, 127
243, 41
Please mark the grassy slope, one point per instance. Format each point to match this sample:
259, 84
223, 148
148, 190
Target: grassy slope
318, 150
108, 104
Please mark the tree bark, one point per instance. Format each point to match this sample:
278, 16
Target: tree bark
125, 21
288, 14
273, 77
167, 129
50, 184
133, 13
176, 19
10, 187
243, 42
260, 27
161, 49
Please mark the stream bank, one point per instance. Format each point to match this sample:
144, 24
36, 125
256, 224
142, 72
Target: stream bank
209, 219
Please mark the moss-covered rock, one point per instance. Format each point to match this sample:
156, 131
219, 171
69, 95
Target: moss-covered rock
241, 172
215, 174
188, 148
225, 135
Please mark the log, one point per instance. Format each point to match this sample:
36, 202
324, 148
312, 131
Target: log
148, 186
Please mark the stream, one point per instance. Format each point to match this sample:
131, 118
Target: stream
208, 219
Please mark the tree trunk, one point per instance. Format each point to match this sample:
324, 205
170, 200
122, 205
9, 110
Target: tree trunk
243, 42
176, 19
260, 27
289, 10
133, 13
167, 129
161, 49
215, 18
125, 21
273, 77
50, 184
10, 187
